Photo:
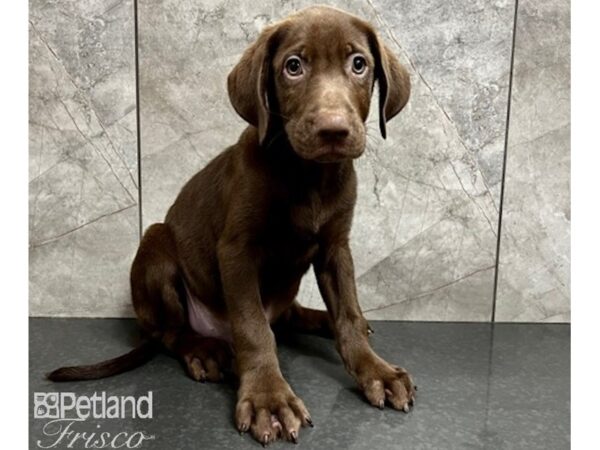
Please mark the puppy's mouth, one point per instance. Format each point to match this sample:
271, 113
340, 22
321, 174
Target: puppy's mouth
312, 147
333, 152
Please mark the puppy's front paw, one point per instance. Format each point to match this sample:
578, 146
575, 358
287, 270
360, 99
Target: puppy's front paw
270, 409
383, 382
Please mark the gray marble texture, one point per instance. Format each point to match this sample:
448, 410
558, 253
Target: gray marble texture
83, 180
534, 271
424, 235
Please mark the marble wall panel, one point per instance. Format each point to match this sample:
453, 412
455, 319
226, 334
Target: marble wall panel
83, 174
424, 235
461, 51
534, 270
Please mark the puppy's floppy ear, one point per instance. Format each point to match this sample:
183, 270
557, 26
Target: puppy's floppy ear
393, 79
248, 82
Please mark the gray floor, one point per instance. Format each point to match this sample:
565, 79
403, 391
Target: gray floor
500, 387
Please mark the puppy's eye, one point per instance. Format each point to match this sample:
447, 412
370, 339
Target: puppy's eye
293, 67
359, 64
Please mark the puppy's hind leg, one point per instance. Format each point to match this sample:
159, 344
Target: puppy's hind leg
156, 284
299, 319
159, 300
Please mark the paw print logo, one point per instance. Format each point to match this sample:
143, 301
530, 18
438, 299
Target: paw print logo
45, 405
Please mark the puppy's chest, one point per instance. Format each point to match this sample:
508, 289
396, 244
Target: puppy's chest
293, 227
307, 217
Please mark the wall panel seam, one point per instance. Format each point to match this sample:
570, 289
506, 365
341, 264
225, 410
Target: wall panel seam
504, 160
137, 115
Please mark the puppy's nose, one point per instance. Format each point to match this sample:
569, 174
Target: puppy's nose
333, 127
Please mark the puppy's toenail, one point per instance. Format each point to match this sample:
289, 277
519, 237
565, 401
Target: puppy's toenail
265, 439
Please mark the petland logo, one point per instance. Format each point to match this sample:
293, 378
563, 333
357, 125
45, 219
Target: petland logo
67, 411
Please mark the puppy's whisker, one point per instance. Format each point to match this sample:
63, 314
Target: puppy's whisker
274, 138
276, 114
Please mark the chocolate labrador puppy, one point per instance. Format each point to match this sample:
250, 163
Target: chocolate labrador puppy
226, 264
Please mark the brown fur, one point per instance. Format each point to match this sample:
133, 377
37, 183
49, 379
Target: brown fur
245, 229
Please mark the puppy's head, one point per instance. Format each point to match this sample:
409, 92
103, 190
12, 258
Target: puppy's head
312, 76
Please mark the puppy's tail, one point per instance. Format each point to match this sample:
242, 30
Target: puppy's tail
135, 358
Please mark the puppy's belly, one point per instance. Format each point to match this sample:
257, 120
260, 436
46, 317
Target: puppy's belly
204, 322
